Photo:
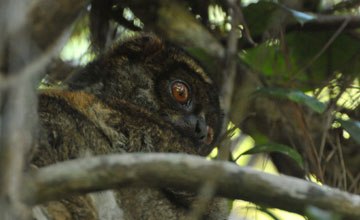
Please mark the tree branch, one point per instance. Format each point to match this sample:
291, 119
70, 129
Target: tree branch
183, 172
229, 70
327, 22
158, 16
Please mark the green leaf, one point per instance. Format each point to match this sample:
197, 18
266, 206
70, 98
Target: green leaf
258, 24
295, 96
306, 61
353, 127
341, 56
273, 147
267, 59
302, 17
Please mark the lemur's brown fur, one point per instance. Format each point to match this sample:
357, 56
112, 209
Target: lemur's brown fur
121, 103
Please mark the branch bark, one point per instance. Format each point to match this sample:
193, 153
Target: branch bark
183, 172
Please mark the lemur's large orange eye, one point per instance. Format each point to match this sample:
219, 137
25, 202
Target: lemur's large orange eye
180, 92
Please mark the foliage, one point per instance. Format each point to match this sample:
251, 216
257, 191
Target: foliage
295, 96
271, 147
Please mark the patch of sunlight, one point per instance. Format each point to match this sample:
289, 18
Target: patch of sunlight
339, 115
350, 98
313, 179
323, 95
228, 27
342, 116
125, 33
233, 135
346, 134
245, 3
246, 144
246, 209
138, 23
273, 42
212, 154
336, 124
327, 4
76, 49
42, 86
236, 131
216, 14
249, 211
265, 164
128, 14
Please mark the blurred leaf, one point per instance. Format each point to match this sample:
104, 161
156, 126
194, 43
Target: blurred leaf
341, 56
302, 17
81, 27
353, 127
230, 204
258, 137
258, 24
273, 147
267, 59
295, 96
314, 213
204, 58
299, 16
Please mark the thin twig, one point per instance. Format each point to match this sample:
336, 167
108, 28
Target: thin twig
342, 162
229, 72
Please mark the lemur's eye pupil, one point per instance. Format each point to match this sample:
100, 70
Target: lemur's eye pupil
180, 92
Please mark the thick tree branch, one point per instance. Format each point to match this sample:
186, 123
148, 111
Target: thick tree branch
183, 172
53, 18
158, 16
